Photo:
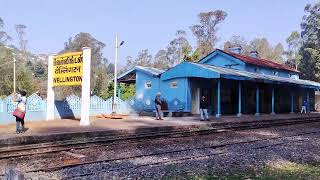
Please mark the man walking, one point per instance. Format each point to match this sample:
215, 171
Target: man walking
158, 104
203, 109
304, 107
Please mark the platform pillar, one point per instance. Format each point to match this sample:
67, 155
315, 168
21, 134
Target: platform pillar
291, 107
272, 102
257, 101
239, 99
218, 115
308, 101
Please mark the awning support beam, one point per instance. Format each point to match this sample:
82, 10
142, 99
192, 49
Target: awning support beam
272, 102
239, 99
218, 115
257, 101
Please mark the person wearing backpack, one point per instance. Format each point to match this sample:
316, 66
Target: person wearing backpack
20, 111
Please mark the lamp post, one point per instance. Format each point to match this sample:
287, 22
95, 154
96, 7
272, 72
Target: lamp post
115, 74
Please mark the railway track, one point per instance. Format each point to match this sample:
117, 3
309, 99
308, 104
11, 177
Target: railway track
262, 143
45, 148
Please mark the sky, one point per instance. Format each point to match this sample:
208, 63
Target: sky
145, 24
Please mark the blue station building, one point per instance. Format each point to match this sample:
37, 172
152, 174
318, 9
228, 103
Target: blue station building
233, 83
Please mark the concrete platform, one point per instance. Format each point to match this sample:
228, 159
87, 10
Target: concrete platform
66, 129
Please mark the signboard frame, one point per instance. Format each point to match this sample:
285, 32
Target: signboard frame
85, 83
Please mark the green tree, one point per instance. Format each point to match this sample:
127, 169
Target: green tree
161, 60
237, 41
266, 50
99, 64
143, 59
294, 44
4, 37
310, 49
178, 49
206, 31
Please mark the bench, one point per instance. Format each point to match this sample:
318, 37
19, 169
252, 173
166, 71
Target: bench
163, 112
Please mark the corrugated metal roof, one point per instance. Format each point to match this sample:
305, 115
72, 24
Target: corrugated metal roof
150, 70
251, 75
260, 61
251, 60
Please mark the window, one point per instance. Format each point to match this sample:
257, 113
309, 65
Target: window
147, 85
275, 73
174, 84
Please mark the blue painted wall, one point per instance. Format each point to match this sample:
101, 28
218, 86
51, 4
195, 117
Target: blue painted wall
69, 108
185, 69
144, 94
175, 95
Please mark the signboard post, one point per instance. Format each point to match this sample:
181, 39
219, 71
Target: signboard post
50, 90
70, 69
85, 92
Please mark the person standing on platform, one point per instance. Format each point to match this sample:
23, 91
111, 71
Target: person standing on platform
20, 112
304, 107
158, 104
203, 109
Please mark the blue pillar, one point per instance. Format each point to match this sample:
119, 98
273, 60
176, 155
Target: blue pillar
308, 101
218, 100
272, 102
291, 102
119, 91
239, 99
257, 101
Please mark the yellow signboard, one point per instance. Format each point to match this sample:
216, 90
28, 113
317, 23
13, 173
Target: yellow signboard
67, 69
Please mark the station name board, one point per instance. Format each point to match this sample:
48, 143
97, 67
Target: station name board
67, 69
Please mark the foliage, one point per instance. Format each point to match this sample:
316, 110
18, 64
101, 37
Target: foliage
24, 74
310, 49
294, 44
4, 37
143, 59
100, 69
161, 60
205, 32
127, 91
261, 45
178, 48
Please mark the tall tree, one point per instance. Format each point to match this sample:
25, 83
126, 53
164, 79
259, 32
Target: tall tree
237, 41
294, 43
4, 37
99, 64
206, 31
310, 49
266, 50
178, 49
20, 29
143, 59
161, 60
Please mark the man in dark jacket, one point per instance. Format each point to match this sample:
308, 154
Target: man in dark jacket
158, 103
203, 109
